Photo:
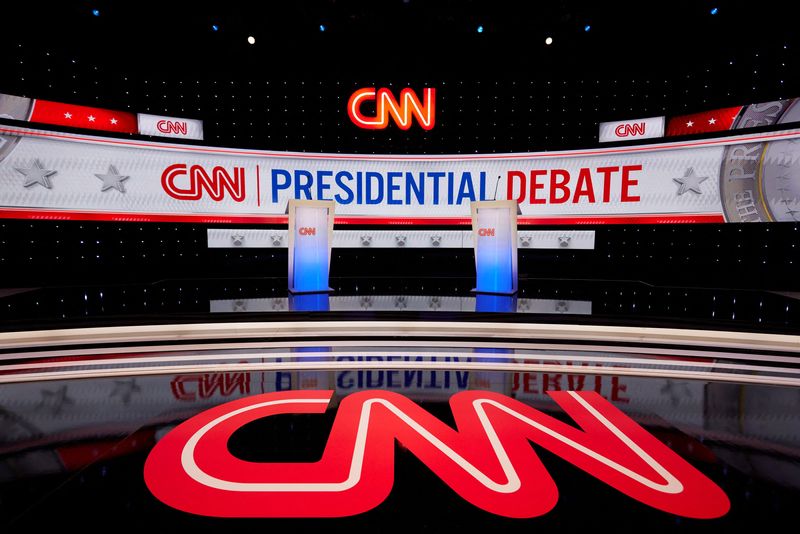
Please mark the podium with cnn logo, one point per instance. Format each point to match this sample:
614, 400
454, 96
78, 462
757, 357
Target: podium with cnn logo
310, 238
494, 226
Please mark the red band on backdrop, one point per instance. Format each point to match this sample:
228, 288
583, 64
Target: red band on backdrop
717, 120
93, 118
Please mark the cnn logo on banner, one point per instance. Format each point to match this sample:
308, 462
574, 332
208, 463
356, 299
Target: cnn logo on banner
625, 130
182, 182
486, 232
632, 129
307, 230
401, 110
172, 127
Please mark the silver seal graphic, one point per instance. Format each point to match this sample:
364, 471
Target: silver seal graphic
760, 182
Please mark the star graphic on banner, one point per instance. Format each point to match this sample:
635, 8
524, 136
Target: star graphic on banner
712, 120
112, 179
91, 118
238, 239
689, 124
67, 115
54, 401
37, 174
125, 389
689, 182
114, 121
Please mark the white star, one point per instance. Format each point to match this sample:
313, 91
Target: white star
114, 121
67, 115
112, 180
690, 182
91, 118
37, 174
689, 124
712, 120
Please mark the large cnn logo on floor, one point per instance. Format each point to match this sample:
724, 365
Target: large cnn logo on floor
487, 460
632, 129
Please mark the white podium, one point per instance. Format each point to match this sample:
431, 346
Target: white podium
310, 238
494, 226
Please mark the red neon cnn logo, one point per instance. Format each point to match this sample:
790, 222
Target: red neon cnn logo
487, 459
307, 230
486, 232
386, 106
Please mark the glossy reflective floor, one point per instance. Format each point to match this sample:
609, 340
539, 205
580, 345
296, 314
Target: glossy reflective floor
73, 451
649, 384
243, 299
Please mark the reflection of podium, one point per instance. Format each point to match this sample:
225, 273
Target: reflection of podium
310, 236
494, 226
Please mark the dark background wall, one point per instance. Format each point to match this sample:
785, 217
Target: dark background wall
501, 90
764, 256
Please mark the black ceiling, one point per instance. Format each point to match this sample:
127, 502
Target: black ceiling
500, 90
401, 37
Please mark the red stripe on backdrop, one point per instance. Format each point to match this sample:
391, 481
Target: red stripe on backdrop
63, 215
716, 120
61, 114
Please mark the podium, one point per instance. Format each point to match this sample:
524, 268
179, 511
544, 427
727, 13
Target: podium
310, 237
494, 227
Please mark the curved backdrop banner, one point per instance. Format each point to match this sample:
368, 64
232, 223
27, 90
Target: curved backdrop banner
55, 175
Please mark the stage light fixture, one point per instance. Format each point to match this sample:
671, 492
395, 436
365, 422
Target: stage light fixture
251, 40
548, 41
214, 27
587, 28
480, 29
322, 27
96, 12
714, 10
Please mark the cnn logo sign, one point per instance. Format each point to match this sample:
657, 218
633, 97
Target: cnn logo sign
182, 182
307, 230
630, 129
387, 107
172, 127
486, 232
